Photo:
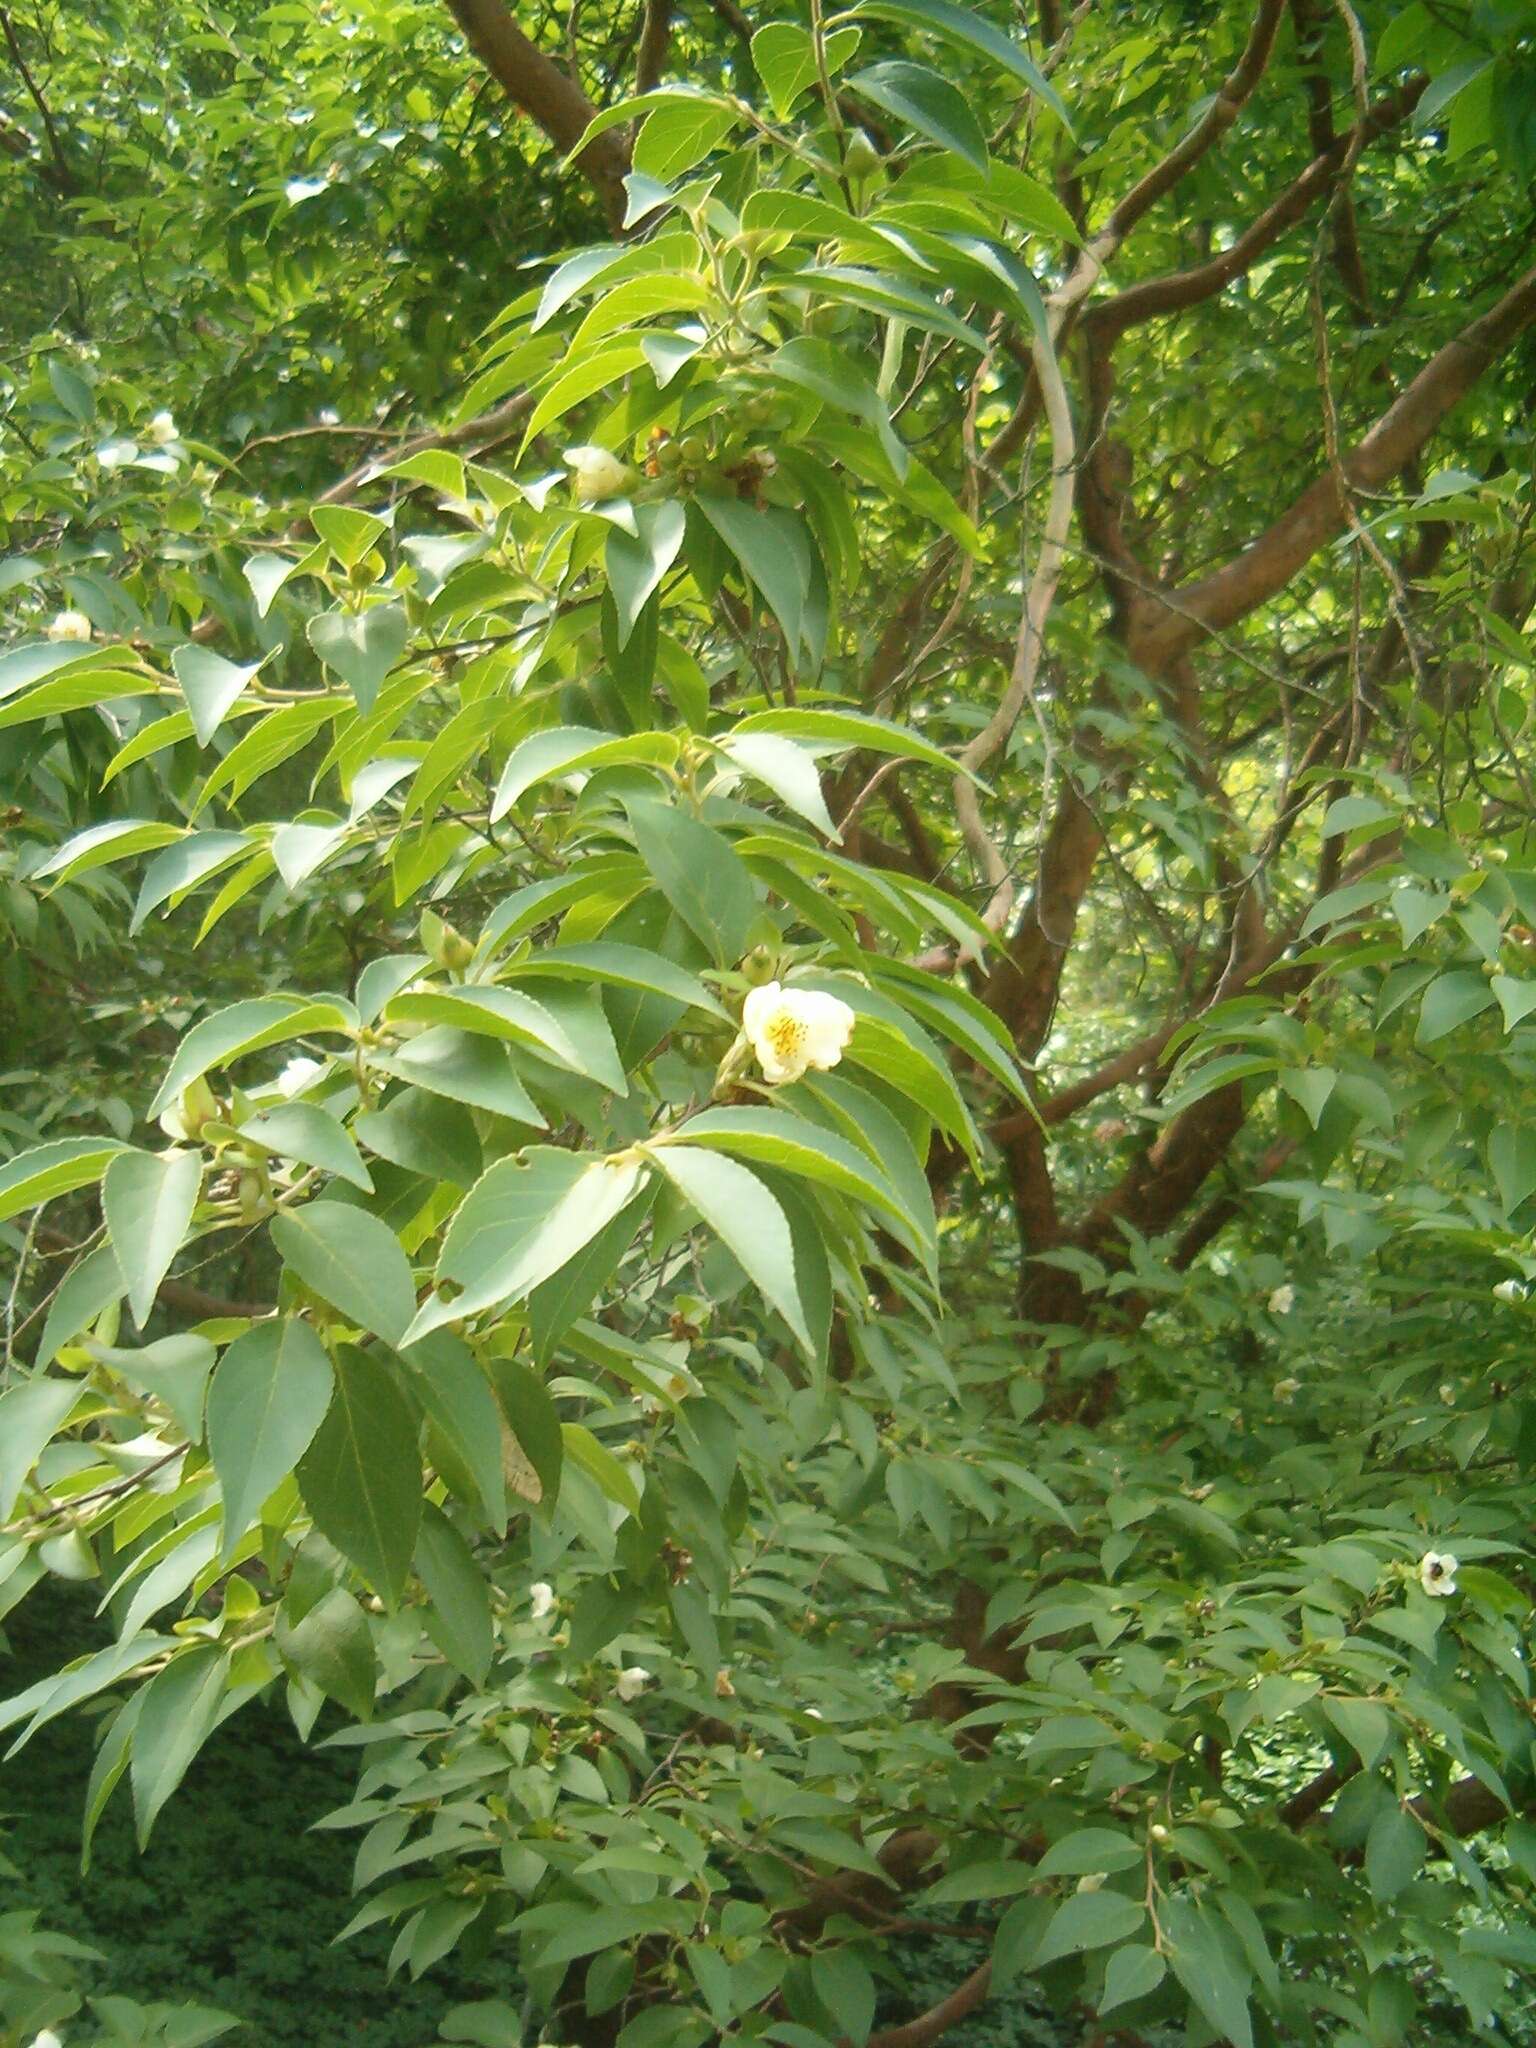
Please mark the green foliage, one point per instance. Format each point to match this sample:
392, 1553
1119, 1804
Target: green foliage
760, 1472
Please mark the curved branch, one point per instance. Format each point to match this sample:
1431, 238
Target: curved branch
950, 2011
1179, 289
537, 85
1268, 563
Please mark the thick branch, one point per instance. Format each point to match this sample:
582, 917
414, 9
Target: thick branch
950, 2011
1182, 288
651, 53
542, 90
1229, 594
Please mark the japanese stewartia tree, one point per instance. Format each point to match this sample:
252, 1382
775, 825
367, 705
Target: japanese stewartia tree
773, 1099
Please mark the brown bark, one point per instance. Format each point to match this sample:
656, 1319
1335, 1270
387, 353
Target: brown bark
1268, 563
537, 85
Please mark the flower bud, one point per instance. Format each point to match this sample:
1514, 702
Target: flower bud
69, 626
596, 474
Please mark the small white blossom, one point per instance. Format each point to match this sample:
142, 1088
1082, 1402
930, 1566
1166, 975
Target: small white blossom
69, 626
1283, 1300
595, 474
1091, 1881
1448, 1394
1286, 1391
791, 1029
542, 1598
297, 1075
1437, 1573
47, 2039
1509, 1290
162, 428
631, 1682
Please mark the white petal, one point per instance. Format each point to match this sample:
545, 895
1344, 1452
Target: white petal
755, 1011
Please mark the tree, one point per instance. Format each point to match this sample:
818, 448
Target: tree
864, 922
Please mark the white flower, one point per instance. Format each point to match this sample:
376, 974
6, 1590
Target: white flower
1448, 1394
297, 1075
1437, 1573
47, 2039
1506, 1290
1283, 1300
162, 428
595, 474
1287, 1390
631, 1682
542, 1596
69, 626
791, 1029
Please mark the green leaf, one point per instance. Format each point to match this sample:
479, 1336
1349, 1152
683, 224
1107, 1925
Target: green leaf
183, 866
1395, 1850
361, 647
1512, 1158
174, 1370
31, 1413
789, 771
1348, 813
621, 966
784, 58
1365, 1725
1450, 1001
348, 533
747, 1219
94, 1284
775, 1137
838, 731
245, 1027
269, 1395
426, 1134
1517, 999
1088, 1920
180, 1711
953, 24
600, 1465
878, 291
1133, 1972
700, 874
266, 574
572, 750
38, 1175
304, 1131
459, 1617
519, 1224
463, 1419
210, 685
73, 692
672, 139
545, 1026
361, 1476
1088, 1850
926, 102
148, 1200
351, 1260
1212, 1969
842, 1982
774, 552
332, 1647
100, 845
637, 562
462, 1068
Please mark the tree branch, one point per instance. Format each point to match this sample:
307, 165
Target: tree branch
1268, 563
537, 85
486, 430
61, 177
1179, 289
651, 52
938, 2020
